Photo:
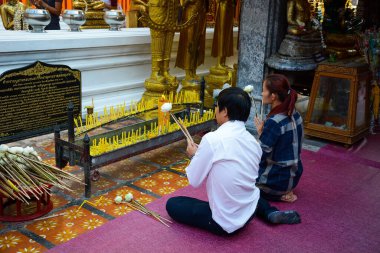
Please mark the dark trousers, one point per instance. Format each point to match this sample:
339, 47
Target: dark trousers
270, 197
197, 213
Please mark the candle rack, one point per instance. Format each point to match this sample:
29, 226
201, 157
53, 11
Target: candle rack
77, 152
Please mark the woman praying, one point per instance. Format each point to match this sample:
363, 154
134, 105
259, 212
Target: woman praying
281, 141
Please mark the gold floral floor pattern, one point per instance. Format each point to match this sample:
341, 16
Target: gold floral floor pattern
147, 176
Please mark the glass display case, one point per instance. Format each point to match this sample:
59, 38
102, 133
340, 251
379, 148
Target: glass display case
339, 102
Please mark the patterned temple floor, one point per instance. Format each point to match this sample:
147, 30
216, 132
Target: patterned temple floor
147, 176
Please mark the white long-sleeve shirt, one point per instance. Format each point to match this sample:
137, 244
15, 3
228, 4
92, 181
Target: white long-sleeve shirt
228, 159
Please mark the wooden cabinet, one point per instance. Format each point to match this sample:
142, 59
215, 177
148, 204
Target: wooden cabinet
339, 102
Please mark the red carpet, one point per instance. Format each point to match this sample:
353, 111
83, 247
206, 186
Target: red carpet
338, 202
366, 151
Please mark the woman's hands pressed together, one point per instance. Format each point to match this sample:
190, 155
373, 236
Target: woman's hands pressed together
259, 125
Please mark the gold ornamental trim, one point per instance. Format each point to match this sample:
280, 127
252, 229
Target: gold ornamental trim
39, 69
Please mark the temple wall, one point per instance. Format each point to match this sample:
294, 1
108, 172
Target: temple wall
114, 65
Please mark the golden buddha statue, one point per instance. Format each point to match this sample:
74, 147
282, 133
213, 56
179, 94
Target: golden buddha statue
301, 43
191, 46
339, 25
161, 16
8, 11
222, 47
88, 5
298, 17
222, 44
94, 12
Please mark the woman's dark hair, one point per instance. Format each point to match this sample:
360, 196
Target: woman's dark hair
237, 102
278, 84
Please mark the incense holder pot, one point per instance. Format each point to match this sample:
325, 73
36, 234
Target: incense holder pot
74, 19
38, 19
115, 19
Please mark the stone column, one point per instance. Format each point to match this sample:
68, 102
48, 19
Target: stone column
262, 28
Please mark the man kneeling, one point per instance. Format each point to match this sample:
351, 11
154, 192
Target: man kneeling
228, 159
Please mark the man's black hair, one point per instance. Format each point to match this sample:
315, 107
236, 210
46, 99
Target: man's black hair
237, 102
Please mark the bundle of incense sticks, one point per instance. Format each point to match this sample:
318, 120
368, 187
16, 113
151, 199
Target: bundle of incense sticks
182, 127
23, 174
136, 205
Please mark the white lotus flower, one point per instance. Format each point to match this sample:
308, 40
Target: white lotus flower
19, 150
226, 85
13, 150
248, 88
27, 151
3, 148
118, 199
128, 197
166, 107
216, 92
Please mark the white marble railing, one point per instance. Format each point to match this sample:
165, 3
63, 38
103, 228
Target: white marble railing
114, 65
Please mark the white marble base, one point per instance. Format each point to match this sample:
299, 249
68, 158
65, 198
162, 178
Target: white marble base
114, 65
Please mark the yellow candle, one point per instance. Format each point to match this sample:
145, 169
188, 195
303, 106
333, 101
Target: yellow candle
80, 121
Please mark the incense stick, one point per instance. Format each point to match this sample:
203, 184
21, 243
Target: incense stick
183, 128
51, 216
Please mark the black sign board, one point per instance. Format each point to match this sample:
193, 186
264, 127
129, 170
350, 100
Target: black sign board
34, 99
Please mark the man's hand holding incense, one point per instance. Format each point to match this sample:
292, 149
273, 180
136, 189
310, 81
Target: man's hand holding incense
191, 148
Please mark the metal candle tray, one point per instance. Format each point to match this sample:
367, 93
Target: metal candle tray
77, 152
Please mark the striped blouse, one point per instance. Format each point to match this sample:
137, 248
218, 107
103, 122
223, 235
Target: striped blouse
281, 143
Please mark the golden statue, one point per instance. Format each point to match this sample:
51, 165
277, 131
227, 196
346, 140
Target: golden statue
302, 41
161, 16
191, 46
89, 5
94, 12
298, 16
340, 25
222, 44
222, 47
8, 11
